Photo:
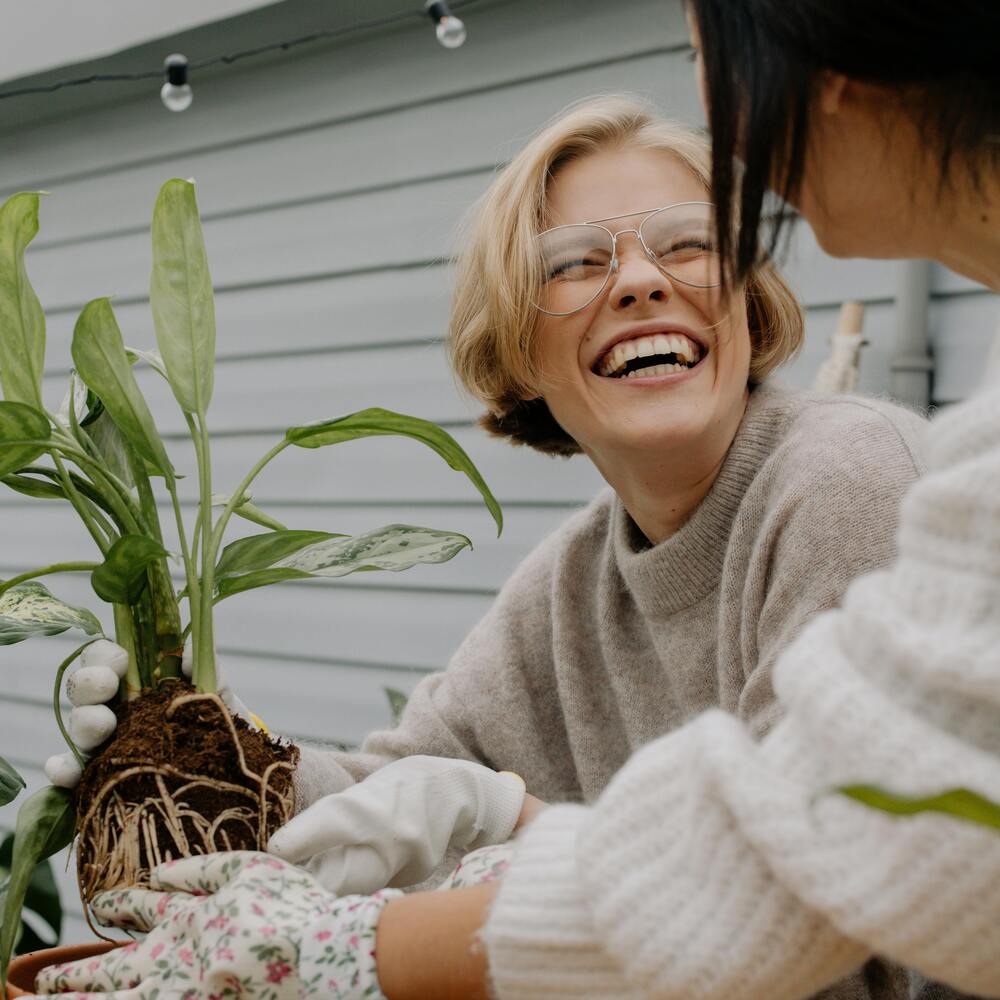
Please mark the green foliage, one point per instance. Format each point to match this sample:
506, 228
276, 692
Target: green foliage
45, 825
98, 453
29, 609
181, 297
21, 428
397, 703
294, 555
41, 898
376, 421
11, 783
959, 802
100, 358
22, 323
121, 578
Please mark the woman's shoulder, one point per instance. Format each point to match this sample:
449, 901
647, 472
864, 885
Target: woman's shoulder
873, 435
575, 546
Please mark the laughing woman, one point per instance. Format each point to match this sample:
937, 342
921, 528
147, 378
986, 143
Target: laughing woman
589, 317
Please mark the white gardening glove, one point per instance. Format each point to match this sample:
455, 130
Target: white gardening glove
395, 827
102, 665
95, 681
236, 924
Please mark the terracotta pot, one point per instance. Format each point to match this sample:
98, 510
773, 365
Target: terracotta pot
24, 968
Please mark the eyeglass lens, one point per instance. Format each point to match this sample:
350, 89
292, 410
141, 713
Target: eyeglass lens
576, 260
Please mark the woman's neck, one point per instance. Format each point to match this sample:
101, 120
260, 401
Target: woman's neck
971, 245
661, 487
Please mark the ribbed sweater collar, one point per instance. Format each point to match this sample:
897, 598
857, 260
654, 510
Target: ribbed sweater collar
682, 569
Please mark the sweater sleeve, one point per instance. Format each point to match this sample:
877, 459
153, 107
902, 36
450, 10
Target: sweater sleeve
464, 711
833, 512
717, 867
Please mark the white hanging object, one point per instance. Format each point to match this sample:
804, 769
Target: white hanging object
176, 93
839, 372
449, 29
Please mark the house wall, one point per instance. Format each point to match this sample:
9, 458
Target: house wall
331, 182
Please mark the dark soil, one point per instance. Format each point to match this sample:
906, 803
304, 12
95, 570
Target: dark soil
184, 761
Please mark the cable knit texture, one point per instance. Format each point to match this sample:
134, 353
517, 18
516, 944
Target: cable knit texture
717, 866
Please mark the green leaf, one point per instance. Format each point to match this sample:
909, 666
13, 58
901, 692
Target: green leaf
20, 423
110, 442
263, 551
152, 358
397, 703
45, 824
42, 899
121, 578
30, 487
376, 421
11, 783
22, 322
180, 294
249, 512
395, 547
99, 355
959, 802
29, 609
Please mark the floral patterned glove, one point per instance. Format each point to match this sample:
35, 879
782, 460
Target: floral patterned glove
477, 867
239, 924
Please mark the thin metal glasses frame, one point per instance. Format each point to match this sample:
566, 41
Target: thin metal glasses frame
613, 266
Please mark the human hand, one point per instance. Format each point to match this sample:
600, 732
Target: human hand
241, 923
395, 827
102, 666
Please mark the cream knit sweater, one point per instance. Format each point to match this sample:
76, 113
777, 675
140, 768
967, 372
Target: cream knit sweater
716, 866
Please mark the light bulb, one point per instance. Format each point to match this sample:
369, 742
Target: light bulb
176, 93
176, 98
450, 31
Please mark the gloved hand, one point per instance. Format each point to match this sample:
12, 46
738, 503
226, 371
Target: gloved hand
395, 827
267, 930
102, 665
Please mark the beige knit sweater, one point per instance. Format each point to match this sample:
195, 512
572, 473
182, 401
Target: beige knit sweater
600, 644
718, 867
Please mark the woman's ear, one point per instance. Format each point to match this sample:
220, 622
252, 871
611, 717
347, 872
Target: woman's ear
831, 92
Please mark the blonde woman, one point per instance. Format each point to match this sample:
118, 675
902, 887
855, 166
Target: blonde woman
588, 318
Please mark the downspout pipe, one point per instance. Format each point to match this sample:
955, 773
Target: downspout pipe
911, 365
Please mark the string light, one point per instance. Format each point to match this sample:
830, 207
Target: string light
176, 93
449, 29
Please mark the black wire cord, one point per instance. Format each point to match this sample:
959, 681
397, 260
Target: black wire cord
322, 34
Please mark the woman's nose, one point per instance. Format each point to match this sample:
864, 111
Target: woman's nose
637, 279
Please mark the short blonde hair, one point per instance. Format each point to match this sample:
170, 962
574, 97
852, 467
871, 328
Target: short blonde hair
493, 329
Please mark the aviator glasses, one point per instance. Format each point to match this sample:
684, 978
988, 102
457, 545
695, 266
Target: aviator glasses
577, 260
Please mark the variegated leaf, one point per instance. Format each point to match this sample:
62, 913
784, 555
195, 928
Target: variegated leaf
394, 547
29, 609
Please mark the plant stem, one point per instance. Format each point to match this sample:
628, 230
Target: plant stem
131, 685
204, 639
63, 567
190, 571
234, 500
163, 609
58, 708
78, 505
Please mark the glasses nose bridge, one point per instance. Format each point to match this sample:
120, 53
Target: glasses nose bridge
615, 266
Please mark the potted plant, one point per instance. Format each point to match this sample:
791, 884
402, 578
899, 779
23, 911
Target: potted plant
181, 774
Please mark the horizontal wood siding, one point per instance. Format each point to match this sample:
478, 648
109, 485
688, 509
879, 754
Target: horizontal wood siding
333, 182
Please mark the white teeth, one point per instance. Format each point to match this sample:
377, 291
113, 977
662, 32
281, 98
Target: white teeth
644, 347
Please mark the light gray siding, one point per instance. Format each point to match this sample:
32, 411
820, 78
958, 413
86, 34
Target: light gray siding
331, 182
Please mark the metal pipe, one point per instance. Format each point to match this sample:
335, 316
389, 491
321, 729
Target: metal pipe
911, 366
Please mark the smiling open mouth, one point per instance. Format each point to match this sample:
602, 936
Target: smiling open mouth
657, 354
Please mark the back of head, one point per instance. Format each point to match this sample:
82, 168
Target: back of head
493, 324
765, 59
